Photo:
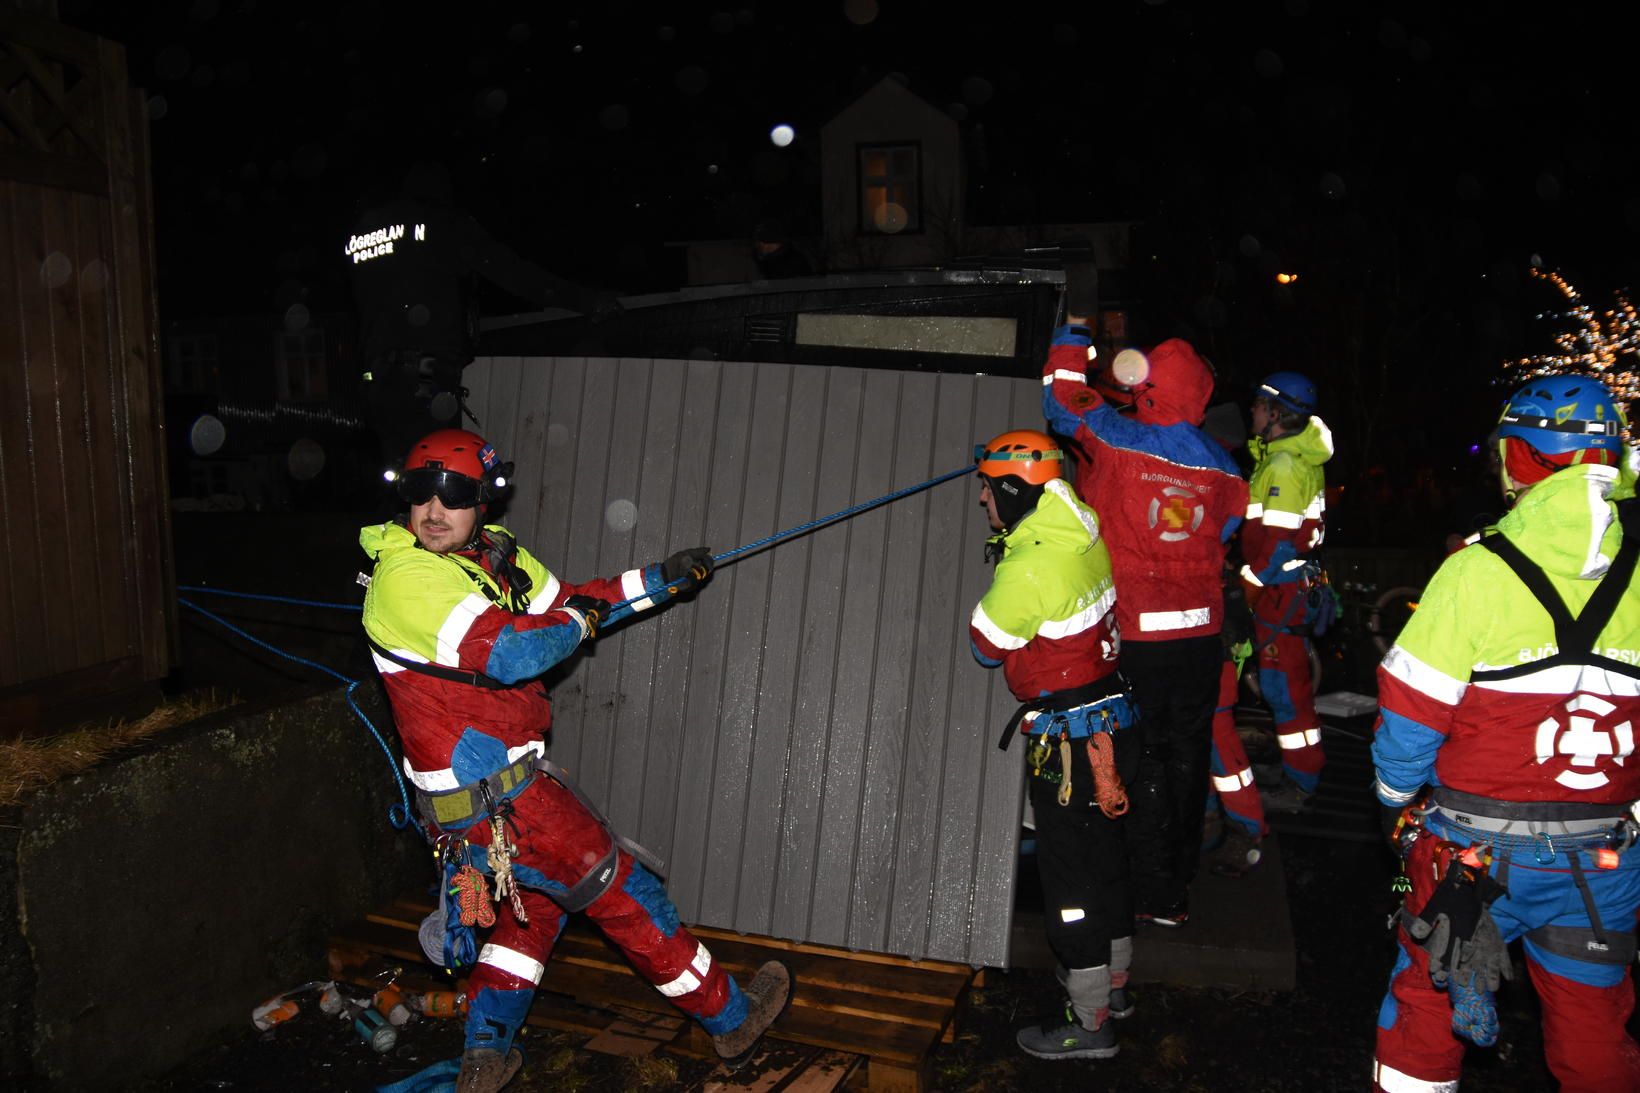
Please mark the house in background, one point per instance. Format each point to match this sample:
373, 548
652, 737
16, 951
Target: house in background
262, 408
893, 195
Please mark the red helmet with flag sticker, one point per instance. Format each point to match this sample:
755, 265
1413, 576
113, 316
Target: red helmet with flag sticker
458, 467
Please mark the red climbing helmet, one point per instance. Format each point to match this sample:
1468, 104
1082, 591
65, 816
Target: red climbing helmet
458, 467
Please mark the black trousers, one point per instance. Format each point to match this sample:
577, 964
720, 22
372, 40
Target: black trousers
1176, 684
1082, 860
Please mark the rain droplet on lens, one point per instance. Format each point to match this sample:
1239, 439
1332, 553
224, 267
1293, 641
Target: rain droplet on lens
721, 22
1468, 187
614, 117
1419, 50
1267, 63
665, 33
977, 91
1548, 187
157, 107
1064, 35
1392, 35
782, 135
495, 100
860, 12
1250, 246
56, 269
1332, 186
296, 317
889, 218
958, 111
418, 314
518, 33
621, 515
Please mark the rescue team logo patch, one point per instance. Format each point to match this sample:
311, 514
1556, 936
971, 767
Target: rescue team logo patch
1176, 513
1583, 730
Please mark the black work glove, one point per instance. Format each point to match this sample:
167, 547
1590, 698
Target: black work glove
1389, 817
1449, 928
592, 611
694, 563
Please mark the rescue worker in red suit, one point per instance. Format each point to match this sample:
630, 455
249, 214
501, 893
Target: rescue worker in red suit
1508, 704
462, 623
1286, 507
1048, 621
1170, 497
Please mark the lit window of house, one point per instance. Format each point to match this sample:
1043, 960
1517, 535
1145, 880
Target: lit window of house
890, 189
299, 364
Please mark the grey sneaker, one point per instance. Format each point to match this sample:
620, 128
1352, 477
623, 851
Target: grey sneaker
766, 997
484, 1070
1122, 1003
1068, 1040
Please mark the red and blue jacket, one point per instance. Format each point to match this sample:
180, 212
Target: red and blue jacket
1169, 496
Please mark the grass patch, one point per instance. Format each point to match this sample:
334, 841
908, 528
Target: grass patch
26, 765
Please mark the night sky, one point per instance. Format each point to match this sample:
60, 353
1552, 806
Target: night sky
1407, 161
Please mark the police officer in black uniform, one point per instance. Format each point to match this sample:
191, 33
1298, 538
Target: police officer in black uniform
413, 262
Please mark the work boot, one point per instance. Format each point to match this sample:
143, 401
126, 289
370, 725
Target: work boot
1066, 1038
485, 1070
766, 998
1287, 797
1239, 854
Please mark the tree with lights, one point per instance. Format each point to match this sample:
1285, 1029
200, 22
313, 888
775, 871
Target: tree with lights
1605, 345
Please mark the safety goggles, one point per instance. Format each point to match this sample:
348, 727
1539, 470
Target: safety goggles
454, 490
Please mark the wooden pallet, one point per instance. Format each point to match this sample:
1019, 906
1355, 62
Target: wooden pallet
889, 1009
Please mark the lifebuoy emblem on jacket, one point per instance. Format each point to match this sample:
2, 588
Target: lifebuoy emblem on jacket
1578, 733
1177, 513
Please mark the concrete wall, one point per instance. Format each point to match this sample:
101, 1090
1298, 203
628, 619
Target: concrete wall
153, 901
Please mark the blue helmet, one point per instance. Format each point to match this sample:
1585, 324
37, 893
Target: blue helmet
1560, 414
1290, 389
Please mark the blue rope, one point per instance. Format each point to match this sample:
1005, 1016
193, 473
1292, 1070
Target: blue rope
398, 815
769, 540
269, 599
863, 506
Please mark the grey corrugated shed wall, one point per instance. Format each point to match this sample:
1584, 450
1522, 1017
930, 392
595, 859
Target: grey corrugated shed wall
809, 743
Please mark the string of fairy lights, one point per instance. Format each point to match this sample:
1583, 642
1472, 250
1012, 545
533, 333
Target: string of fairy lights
1603, 344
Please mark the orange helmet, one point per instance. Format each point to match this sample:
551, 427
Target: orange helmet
1025, 454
